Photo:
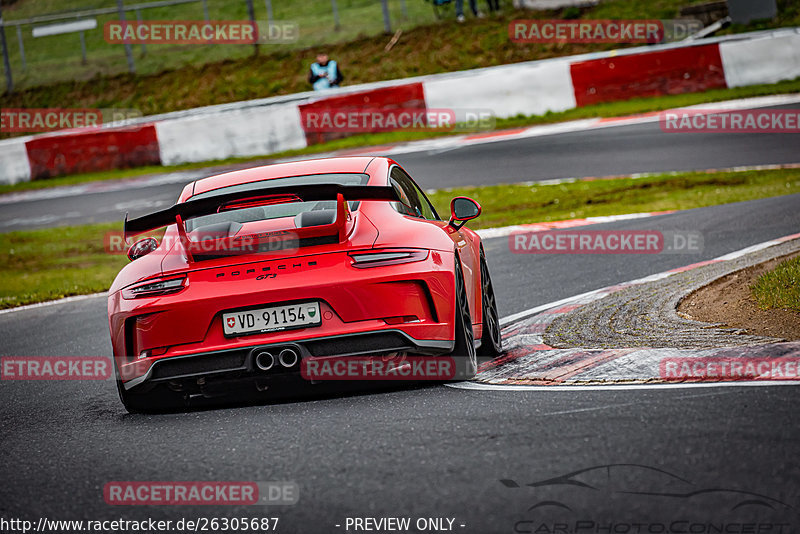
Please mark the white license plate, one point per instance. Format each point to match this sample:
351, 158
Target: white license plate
271, 319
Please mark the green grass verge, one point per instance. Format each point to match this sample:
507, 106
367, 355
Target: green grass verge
779, 288
505, 205
42, 265
614, 109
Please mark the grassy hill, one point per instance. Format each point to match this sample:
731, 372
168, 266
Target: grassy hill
201, 77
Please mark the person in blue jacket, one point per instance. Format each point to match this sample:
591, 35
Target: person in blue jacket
324, 73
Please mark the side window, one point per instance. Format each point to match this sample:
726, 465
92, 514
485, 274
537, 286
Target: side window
405, 205
427, 207
414, 201
405, 190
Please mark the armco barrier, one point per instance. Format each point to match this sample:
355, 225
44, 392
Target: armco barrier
271, 125
92, 150
664, 72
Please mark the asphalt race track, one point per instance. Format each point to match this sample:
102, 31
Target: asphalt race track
721, 455
615, 150
431, 451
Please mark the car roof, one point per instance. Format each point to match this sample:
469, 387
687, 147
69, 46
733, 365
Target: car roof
283, 170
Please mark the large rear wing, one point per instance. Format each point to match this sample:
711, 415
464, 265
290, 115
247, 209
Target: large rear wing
183, 211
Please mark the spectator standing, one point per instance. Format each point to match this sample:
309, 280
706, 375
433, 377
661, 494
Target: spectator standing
494, 6
473, 6
325, 73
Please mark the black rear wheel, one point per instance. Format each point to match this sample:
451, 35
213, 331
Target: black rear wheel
154, 400
491, 342
464, 350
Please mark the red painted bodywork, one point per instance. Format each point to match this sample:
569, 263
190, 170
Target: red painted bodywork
353, 300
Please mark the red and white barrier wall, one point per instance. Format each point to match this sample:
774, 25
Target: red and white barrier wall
664, 72
242, 132
532, 88
752, 62
408, 95
97, 149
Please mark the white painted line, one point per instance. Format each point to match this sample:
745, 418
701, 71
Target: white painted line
582, 125
606, 387
505, 320
76, 298
526, 313
103, 186
479, 386
748, 250
727, 257
640, 175
593, 220
432, 145
504, 231
750, 103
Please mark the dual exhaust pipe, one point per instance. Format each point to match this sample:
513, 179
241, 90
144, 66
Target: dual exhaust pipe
286, 357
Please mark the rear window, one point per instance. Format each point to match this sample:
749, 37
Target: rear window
275, 211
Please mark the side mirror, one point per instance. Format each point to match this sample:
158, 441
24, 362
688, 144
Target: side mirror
142, 248
463, 209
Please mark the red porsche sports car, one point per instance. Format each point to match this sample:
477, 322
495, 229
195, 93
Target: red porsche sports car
262, 268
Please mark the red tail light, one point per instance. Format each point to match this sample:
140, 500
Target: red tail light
154, 288
381, 258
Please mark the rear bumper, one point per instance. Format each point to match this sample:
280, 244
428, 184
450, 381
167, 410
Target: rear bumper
240, 363
413, 300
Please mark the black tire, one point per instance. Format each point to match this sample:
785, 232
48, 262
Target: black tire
491, 342
463, 353
155, 400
